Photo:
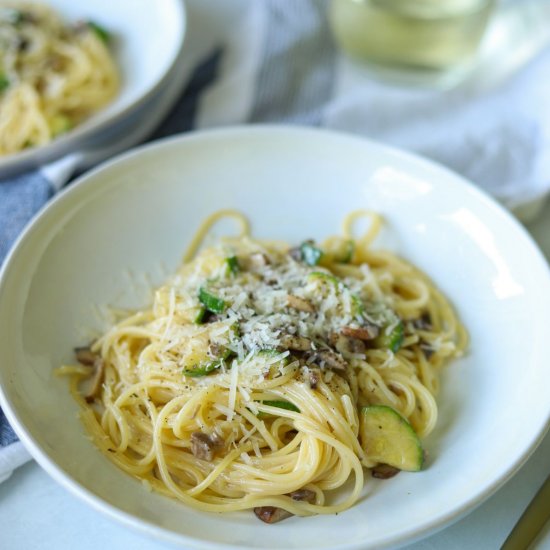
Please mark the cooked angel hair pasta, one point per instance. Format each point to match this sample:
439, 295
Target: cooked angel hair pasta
245, 384
52, 76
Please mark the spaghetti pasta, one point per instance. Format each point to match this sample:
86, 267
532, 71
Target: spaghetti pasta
52, 76
244, 384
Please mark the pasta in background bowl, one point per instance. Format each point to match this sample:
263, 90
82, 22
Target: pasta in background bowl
143, 61
120, 231
53, 75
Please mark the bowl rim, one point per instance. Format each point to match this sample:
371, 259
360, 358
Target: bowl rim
87, 180
76, 139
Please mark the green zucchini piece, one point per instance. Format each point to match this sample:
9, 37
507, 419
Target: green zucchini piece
311, 255
199, 319
102, 33
202, 369
391, 340
4, 82
387, 438
211, 302
326, 277
232, 265
280, 405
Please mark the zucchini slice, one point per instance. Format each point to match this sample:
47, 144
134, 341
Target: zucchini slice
387, 438
280, 405
391, 340
211, 302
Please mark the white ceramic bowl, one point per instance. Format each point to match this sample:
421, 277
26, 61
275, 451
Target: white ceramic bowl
148, 40
94, 244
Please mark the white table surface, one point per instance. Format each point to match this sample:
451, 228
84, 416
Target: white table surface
36, 513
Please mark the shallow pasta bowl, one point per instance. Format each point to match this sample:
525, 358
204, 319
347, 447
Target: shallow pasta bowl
148, 42
125, 225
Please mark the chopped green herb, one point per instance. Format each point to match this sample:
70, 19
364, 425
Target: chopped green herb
232, 264
4, 82
212, 302
391, 340
103, 34
311, 255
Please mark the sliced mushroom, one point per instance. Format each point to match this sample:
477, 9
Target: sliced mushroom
96, 381
271, 514
216, 350
314, 378
296, 343
345, 345
258, 260
303, 495
365, 333
295, 253
85, 356
210, 317
427, 350
300, 304
384, 471
204, 446
329, 359
424, 322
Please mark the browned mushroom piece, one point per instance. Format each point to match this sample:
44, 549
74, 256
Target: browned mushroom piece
423, 322
384, 471
427, 350
295, 253
314, 378
295, 302
96, 380
303, 495
369, 332
204, 446
329, 359
258, 260
85, 356
215, 350
343, 344
296, 343
271, 514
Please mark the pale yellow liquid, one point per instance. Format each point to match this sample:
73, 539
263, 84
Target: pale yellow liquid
432, 34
